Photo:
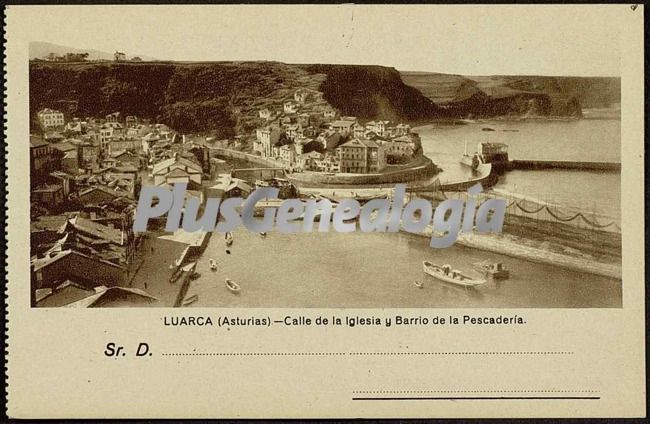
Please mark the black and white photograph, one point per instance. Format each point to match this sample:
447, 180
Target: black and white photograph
322, 211
444, 115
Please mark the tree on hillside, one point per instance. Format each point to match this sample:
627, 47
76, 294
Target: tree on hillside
68, 57
76, 57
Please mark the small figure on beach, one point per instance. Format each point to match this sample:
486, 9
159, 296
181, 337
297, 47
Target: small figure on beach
418, 284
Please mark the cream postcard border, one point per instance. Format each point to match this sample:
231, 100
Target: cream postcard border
56, 367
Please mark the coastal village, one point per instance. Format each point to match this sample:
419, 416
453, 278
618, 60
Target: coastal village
86, 174
308, 135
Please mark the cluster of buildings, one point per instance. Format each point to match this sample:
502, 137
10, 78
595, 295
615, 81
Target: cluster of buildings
85, 177
306, 135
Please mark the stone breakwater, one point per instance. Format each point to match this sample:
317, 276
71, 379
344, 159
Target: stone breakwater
507, 244
484, 175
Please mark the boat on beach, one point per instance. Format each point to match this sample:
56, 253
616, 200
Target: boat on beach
232, 286
453, 276
494, 269
190, 300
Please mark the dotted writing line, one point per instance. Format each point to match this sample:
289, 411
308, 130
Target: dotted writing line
363, 353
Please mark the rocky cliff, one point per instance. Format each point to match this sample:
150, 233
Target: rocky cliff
532, 96
223, 97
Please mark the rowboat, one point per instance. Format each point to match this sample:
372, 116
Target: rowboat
232, 286
175, 276
191, 299
448, 275
494, 269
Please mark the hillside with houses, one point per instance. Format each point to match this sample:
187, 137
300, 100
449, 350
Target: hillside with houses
220, 99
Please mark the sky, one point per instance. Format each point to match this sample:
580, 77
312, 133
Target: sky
461, 39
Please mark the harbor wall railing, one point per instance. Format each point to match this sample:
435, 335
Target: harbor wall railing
422, 169
222, 152
540, 210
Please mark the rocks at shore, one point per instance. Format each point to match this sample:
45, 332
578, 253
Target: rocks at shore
517, 96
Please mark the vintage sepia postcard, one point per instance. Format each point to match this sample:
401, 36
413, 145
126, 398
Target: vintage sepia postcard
317, 211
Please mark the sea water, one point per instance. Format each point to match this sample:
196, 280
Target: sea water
378, 270
586, 140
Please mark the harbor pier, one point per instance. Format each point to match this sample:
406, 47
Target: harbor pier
567, 165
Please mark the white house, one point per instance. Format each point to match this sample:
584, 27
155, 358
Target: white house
287, 155
266, 138
265, 114
329, 113
290, 107
51, 118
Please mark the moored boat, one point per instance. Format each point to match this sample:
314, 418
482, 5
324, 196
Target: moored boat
494, 269
232, 286
189, 267
448, 275
213, 265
